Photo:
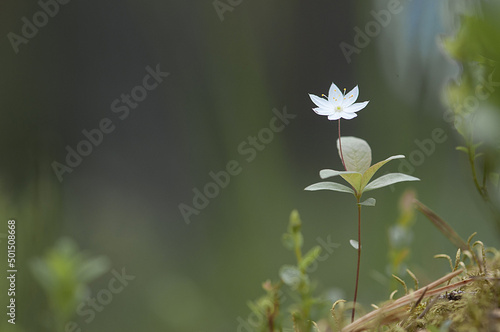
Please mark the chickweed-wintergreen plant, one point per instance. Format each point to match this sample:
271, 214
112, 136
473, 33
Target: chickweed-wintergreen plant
356, 157
337, 106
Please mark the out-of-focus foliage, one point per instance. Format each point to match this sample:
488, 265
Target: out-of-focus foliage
304, 307
64, 273
401, 235
474, 97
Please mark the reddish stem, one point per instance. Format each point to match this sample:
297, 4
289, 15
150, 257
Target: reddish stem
359, 234
359, 261
340, 149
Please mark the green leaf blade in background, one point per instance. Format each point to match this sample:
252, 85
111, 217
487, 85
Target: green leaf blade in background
310, 257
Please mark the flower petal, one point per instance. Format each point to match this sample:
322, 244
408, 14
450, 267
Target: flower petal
351, 97
334, 95
323, 103
356, 107
322, 111
334, 116
348, 116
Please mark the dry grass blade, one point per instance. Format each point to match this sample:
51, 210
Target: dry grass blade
415, 305
396, 310
428, 307
442, 226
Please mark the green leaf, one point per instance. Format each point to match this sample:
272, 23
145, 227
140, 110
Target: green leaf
368, 202
92, 268
329, 186
367, 176
475, 146
298, 239
353, 178
462, 148
43, 274
288, 241
388, 179
295, 223
328, 173
357, 154
290, 275
310, 257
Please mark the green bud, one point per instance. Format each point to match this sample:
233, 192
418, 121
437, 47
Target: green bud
295, 222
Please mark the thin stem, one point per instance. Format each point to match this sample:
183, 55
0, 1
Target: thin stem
483, 190
480, 189
359, 261
270, 321
472, 161
298, 254
485, 172
340, 148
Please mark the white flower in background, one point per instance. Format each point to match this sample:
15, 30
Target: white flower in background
337, 105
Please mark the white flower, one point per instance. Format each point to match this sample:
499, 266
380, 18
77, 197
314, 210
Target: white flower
337, 105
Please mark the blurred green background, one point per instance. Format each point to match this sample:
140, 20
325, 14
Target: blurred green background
229, 67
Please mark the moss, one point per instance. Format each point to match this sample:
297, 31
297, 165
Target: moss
465, 300
473, 307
